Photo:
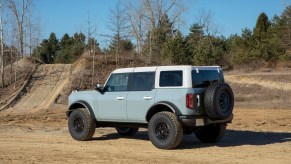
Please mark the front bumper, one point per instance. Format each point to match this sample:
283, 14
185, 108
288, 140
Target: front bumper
193, 121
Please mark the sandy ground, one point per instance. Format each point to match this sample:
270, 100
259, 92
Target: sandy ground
34, 131
255, 136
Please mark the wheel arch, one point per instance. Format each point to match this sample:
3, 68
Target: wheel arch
160, 107
80, 104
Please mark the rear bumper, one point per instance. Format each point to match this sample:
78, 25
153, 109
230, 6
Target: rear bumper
193, 121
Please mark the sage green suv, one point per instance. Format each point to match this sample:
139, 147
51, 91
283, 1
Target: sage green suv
168, 100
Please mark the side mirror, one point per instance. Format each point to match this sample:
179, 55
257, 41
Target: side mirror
97, 85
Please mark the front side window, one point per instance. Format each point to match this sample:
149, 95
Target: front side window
171, 78
142, 81
117, 82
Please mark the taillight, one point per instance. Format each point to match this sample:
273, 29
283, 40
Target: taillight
190, 101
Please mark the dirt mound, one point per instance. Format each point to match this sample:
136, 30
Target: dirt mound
44, 88
16, 77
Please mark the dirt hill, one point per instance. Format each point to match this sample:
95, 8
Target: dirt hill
44, 89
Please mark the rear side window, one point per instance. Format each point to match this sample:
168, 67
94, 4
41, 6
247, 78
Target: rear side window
204, 77
171, 78
142, 81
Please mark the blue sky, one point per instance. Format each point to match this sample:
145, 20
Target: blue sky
70, 16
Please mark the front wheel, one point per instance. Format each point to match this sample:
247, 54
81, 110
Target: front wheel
125, 131
211, 133
165, 131
81, 125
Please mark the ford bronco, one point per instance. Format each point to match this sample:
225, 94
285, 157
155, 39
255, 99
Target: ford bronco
168, 100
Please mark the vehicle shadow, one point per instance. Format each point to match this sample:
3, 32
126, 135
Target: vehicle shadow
230, 139
238, 138
143, 135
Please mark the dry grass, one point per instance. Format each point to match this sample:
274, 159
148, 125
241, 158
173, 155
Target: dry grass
256, 96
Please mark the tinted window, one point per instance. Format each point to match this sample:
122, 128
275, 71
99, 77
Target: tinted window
203, 77
117, 82
143, 81
171, 78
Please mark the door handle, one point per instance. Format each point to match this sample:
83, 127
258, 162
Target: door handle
120, 98
147, 98
198, 100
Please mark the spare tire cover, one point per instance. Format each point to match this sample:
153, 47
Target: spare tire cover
218, 101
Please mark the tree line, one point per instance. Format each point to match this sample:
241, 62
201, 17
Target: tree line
151, 30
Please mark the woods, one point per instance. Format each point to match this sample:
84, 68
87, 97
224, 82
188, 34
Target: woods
152, 30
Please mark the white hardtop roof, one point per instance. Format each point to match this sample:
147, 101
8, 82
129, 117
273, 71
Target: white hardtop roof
161, 68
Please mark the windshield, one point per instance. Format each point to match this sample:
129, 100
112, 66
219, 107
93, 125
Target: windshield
204, 77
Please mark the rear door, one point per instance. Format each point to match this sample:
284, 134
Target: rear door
141, 95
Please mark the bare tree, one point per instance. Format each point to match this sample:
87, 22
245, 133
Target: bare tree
91, 32
32, 33
136, 17
2, 48
148, 14
20, 10
205, 20
119, 26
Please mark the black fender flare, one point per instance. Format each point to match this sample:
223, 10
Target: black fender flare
79, 104
170, 105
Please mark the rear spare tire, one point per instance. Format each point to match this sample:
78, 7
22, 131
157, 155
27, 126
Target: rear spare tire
218, 101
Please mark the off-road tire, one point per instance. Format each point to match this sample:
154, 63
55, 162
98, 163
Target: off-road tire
81, 125
218, 101
211, 133
165, 131
125, 131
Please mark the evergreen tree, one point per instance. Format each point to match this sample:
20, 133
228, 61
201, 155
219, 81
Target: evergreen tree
195, 36
157, 38
284, 23
54, 43
262, 26
71, 48
210, 51
92, 42
123, 45
47, 50
174, 50
66, 41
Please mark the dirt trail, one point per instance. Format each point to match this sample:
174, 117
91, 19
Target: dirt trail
46, 85
239, 79
255, 136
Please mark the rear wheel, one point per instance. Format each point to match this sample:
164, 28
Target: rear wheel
81, 125
165, 131
211, 133
126, 131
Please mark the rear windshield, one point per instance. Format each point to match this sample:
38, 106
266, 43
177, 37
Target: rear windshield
204, 77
